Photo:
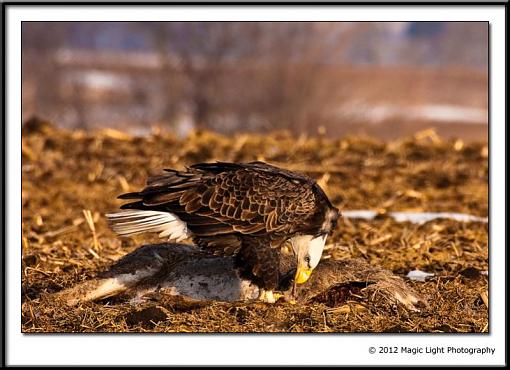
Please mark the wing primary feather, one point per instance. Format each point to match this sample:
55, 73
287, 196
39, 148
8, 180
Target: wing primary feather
133, 195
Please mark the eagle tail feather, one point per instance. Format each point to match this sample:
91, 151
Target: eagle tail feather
134, 222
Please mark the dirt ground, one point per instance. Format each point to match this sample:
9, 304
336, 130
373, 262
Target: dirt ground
71, 178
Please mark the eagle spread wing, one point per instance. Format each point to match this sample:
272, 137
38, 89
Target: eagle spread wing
216, 199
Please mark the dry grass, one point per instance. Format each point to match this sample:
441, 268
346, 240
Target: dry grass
70, 179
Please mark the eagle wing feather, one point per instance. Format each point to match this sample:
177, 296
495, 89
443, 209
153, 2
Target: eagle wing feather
218, 199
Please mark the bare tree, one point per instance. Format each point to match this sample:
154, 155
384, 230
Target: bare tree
221, 75
267, 71
200, 52
298, 90
41, 78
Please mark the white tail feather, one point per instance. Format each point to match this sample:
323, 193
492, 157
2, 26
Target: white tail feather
135, 222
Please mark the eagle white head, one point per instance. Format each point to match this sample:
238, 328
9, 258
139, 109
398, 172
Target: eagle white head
308, 248
308, 251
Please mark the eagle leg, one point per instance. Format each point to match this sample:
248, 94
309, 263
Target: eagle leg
259, 263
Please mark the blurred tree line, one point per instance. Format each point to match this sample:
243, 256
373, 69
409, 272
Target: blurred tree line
228, 75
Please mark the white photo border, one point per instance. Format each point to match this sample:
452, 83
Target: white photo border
252, 349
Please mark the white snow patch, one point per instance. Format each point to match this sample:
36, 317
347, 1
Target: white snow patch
415, 217
364, 214
435, 112
450, 113
418, 275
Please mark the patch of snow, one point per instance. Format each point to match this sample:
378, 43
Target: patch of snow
418, 275
415, 217
441, 113
450, 113
94, 79
422, 217
364, 214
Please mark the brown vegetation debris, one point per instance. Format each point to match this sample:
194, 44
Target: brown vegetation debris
66, 172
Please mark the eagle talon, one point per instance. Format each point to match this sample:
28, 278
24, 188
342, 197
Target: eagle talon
268, 296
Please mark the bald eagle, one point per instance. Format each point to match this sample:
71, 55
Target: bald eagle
245, 210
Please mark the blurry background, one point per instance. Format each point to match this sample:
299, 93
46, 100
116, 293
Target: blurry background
385, 79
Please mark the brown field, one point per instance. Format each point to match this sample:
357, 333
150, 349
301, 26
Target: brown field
66, 173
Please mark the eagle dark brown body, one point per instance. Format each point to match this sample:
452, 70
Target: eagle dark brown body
246, 210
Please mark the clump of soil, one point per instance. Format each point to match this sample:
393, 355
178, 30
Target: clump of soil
72, 178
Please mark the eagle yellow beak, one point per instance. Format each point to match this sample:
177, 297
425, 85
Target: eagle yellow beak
302, 275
